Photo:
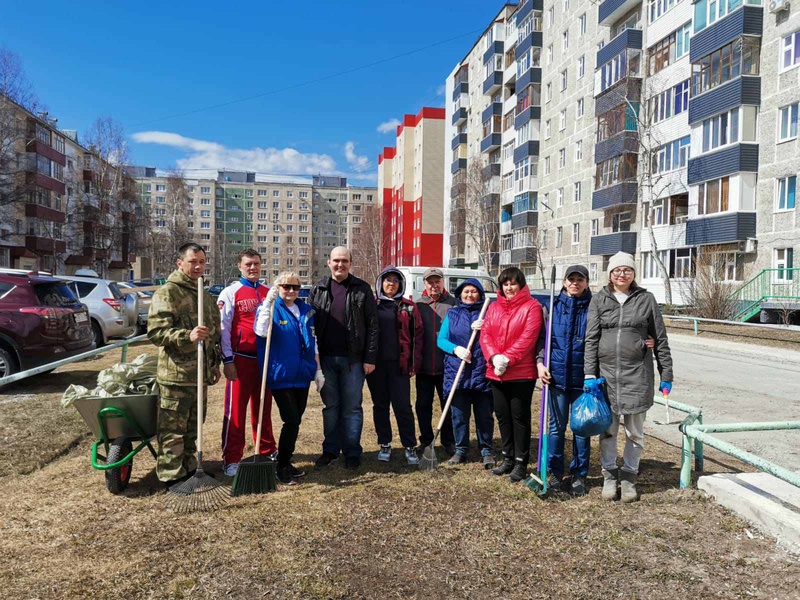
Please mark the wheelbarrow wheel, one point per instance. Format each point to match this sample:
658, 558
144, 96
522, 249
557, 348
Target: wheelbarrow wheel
117, 479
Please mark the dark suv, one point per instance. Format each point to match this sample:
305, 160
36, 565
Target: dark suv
41, 321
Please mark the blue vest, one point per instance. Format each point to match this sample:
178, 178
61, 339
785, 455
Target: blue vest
291, 353
569, 330
474, 376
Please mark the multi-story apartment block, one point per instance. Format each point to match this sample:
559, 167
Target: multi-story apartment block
411, 178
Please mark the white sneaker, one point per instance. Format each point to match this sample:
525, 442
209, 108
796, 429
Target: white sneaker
411, 456
230, 470
385, 453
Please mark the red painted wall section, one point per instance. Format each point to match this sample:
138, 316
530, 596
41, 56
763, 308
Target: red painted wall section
431, 249
428, 112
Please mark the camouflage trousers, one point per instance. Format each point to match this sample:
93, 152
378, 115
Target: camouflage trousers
177, 430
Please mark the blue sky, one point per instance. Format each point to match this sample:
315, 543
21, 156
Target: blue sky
147, 63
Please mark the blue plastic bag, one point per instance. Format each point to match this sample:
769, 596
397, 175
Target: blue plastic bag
590, 414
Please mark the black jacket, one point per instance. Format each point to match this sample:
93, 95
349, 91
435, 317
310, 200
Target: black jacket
361, 314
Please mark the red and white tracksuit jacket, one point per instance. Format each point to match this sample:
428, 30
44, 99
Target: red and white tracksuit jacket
237, 305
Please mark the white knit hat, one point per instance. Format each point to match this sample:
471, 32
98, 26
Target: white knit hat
621, 259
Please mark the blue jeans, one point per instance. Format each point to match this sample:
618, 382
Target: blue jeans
560, 403
342, 416
481, 403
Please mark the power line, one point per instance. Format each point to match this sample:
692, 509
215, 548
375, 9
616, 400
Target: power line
310, 81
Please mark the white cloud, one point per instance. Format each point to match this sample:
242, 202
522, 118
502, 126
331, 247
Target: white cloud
388, 126
440, 90
359, 164
211, 155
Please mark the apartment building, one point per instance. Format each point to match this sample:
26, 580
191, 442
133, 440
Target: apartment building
411, 180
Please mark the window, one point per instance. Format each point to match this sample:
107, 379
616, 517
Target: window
594, 229
577, 192
620, 118
615, 170
712, 196
667, 51
562, 158
262, 193
550, 16
548, 95
563, 80
559, 236
621, 222
205, 201
579, 108
547, 165
790, 51
205, 225
576, 234
673, 155
671, 102
559, 197
659, 7
625, 64
787, 123
785, 192
547, 129
582, 23
146, 187
728, 267
205, 190
562, 120
565, 40
581, 66
160, 200
740, 57
784, 263
578, 151
276, 193
721, 130
161, 188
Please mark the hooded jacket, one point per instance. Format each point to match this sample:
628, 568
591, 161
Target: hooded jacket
407, 320
615, 348
511, 328
456, 331
569, 331
433, 313
173, 315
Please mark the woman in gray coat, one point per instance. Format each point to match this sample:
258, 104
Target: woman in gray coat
621, 316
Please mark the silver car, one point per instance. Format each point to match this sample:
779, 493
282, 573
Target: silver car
113, 314
144, 305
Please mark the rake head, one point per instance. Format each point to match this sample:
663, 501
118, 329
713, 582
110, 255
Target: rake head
255, 475
429, 460
200, 492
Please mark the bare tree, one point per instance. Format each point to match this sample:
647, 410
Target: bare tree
370, 245
169, 224
14, 83
710, 295
480, 200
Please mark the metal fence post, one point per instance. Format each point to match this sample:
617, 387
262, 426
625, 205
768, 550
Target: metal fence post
124, 357
686, 463
694, 323
698, 449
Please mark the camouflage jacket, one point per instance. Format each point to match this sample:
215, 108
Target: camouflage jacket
173, 315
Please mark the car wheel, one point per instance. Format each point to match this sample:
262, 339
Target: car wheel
8, 366
97, 333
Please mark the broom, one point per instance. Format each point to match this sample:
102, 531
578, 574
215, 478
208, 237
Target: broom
538, 483
201, 491
256, 474
429, 461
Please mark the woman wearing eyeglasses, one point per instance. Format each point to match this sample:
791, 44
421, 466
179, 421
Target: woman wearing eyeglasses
293, 363
621, 316
399, 356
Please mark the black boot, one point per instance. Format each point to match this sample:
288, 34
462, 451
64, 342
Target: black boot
518, 473
504, 468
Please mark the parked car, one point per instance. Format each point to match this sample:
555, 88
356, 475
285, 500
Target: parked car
145, 299
113, 314
215, 290
41, 321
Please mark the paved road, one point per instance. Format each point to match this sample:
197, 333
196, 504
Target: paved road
736, 382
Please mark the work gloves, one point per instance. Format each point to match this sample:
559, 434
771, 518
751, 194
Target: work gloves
272, 295
476, 324
500, 364
463, 353
665, 387
319, 380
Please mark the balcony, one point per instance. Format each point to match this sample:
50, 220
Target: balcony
492, 142
459, 116
496, 48
532, 113
505, 227
532, 75
44, 245
630, 38
34, 178
460, 138
530, 148
491, 200
460, 88
37, 211
620, 193
492, 170
721, 228
667, 237
611, 10
736, 158
492, 83
505, 257
624, 142
495, 108
611, 243
524, 254
628, 88
43, 149
747, 21
526, 218
457, 189
532, 40
459, 163
742, 90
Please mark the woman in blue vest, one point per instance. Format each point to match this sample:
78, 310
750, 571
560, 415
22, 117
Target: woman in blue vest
293, 363
474, 390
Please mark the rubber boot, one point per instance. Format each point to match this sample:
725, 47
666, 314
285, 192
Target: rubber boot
610, 479
628, 486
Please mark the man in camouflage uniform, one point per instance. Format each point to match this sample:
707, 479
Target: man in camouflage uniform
172, 325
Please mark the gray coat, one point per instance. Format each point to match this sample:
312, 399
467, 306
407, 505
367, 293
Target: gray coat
615, 348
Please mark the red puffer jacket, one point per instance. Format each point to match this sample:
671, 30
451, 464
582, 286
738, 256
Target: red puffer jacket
511, 328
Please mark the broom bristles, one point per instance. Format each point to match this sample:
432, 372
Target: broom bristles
200, 492
254, 477
429, 460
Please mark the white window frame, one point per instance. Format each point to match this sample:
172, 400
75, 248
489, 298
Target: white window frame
782, 193
783, 260
576, 234
788, 48
786, 113
594, 229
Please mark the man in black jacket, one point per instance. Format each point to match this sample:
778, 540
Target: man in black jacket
433, 306
346, 321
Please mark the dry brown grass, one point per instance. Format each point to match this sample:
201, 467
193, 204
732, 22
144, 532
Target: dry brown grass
383, 531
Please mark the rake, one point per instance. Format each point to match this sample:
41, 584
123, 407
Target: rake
256, 474
201, 491
429, 461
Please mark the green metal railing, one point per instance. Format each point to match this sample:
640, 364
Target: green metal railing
769, 284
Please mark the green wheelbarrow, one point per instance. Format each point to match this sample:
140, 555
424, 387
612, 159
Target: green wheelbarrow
119, 422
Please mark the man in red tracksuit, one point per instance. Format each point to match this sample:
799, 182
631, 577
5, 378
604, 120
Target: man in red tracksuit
237, 304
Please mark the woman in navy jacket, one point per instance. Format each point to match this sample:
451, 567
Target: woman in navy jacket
293, 362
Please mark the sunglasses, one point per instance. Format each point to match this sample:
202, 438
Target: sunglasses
290, 287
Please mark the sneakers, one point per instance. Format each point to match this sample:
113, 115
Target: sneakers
385, 453
296, 473
628, 486
610, 479
284, 476
326, 459
457, 459
411, 456
554, 482
504, 468
488, 461
352, 462
518, 473
230, 470
578, 486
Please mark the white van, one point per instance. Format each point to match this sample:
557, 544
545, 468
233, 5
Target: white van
452, 279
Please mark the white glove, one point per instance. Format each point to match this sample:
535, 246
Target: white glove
477, 324
463, 353
263, 317
319, 380
271, 296
500, 364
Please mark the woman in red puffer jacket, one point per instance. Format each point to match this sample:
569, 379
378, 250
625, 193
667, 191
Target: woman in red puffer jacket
508, 341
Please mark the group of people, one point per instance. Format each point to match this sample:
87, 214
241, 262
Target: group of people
346, 333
